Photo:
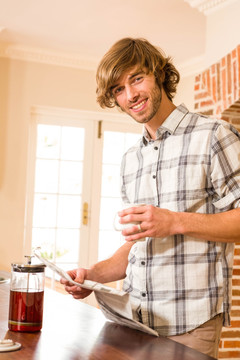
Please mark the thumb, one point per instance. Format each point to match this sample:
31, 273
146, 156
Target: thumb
80, 275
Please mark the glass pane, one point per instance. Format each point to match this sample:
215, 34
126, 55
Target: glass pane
44, 213
67, 245
70, 177
72, 145
111, 180
130, 140
109, 242
48, 141
69, 211
45, 238
109, 208
46, 176
113, 147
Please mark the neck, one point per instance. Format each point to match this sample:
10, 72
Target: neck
165, 109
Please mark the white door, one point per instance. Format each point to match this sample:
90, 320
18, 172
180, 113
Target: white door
73, 189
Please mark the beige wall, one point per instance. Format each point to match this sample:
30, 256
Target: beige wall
185, 92
22, 85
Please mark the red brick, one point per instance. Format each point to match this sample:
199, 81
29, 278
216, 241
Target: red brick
229, 354
224, 88
214, 89
231, 344
235, 302
235, 312
201, 95
233, 334
234, 81
206, 103
236, 292
213, 69
204, 78
236, 251
208, 81
235, 323
196, 87
234, 54
229, 74
197, 78
223, 62
236, 282
218, 82
236, 262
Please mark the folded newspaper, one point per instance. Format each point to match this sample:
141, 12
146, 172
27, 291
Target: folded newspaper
115, 304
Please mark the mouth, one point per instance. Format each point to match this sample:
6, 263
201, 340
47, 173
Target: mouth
139, 106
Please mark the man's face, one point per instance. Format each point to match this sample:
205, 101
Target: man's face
138, 95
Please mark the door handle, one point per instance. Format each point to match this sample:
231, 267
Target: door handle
85, 214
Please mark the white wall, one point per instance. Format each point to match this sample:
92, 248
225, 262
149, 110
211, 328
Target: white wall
222, 36
223, 32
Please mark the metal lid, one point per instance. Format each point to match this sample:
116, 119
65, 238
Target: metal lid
28, 268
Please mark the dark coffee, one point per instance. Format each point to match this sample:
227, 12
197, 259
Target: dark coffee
25, 310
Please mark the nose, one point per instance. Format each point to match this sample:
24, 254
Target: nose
132, 93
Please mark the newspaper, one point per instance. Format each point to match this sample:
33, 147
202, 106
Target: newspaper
115, 304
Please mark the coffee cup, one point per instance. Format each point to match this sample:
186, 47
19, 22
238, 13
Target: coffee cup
121, 227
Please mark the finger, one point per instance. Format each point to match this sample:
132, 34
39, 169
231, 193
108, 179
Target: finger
138, 209
63, 281
72, 289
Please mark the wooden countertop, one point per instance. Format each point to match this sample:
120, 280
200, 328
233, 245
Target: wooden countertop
73, 330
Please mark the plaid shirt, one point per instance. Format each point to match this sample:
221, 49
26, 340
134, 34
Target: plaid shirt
179, 282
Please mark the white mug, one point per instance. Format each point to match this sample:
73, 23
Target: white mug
120, 227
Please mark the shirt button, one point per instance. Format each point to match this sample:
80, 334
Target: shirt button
143, 263
143, 294
154, 176
155, 148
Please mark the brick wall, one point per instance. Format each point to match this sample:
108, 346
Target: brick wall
217, 94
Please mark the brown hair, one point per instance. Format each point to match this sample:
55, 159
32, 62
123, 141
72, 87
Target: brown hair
127, 53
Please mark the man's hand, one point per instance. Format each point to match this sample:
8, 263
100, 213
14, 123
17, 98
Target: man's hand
155, 222
78, 275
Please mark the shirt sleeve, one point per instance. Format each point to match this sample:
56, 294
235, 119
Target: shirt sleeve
225, 167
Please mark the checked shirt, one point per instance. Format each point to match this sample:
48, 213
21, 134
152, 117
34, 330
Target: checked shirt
179, 282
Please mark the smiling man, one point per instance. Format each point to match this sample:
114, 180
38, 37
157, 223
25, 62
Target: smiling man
186, 169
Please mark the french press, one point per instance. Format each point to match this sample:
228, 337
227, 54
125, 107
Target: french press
26, 296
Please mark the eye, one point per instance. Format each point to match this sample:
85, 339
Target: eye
117, 90
138, 79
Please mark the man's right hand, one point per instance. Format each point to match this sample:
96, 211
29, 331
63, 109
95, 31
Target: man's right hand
78, 275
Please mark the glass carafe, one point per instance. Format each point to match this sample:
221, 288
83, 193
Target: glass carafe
26, 297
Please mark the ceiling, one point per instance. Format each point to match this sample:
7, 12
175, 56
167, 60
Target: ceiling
88, 28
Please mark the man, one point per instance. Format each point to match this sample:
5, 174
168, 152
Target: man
186, 170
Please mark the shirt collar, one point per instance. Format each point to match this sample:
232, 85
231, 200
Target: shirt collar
170, 124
